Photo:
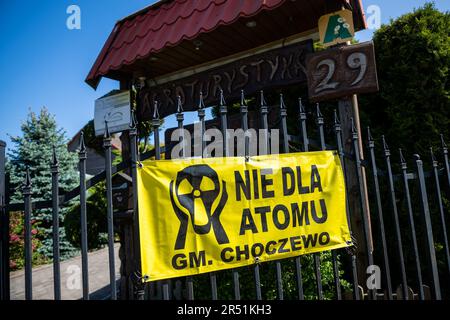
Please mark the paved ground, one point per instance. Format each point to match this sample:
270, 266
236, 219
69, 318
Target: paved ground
71, 285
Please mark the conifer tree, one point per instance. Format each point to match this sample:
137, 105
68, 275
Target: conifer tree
33, 149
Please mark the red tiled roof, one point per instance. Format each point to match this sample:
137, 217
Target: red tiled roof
167, 24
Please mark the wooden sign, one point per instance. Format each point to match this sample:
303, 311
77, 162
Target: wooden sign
336, 27
341, 71
277, 67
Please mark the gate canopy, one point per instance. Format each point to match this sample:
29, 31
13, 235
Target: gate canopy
175, 34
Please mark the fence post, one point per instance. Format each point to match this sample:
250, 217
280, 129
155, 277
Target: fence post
139, 287
351, 250
54, 167
82, 155
428, 229
4, 228
26, 191
109, 211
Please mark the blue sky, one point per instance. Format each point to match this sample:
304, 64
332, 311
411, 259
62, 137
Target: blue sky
42, 63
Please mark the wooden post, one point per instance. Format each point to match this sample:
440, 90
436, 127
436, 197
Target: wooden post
348, 108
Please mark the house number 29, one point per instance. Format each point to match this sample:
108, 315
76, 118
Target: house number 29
356, 60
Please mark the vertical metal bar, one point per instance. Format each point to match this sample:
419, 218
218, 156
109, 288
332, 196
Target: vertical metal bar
201, 118
264, 110
26, 191
139, 287
302, 119
284, 132
4, 228
337, 284
340, 148
298, 263
387, 270
411, 224
55, 228
387, 155
316, 256
359, 173
428, 227
441, 208
82, 155
180, 119
109, 212
257, 282
223, 123
190, 288
299, 278
156, 122
446, 162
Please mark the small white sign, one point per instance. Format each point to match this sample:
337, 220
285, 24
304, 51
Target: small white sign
114, 109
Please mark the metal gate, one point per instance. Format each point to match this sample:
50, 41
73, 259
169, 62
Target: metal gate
407, 207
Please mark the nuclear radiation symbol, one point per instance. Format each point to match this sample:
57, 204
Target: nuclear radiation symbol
198, 194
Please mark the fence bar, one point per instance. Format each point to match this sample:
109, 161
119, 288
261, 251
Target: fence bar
201, 118
55, 228
257, 282
387, 156
411, 225
337, 284
26, 191
82, 155
223, 123
446, 163
156, 122
428, 228
4, 228
340, 148
298, 262
139, 287
264, 110
441, 208
180, 119
387, 270
109, 212
316, 256
362, 194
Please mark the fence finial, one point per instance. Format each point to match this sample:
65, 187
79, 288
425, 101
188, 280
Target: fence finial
385, 146
133, 124
336, 118
282, 105
155, 110
443, 144
82, 146
402, 158
27, 181
433, 158
369, 135
221, 98
300, 106
106, 134
262, 100
243, 102
201, 103
54, 158
319, 114
179, 105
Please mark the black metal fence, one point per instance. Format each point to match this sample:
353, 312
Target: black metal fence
402, 217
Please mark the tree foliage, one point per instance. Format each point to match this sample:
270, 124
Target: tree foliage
413, 58
33, 149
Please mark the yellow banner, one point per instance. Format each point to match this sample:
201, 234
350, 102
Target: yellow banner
202, 215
